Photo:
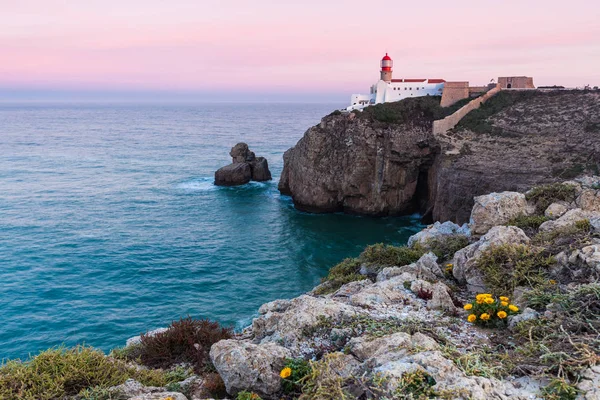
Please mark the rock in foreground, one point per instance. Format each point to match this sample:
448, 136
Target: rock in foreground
244, 168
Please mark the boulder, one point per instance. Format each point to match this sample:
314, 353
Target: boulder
440, 298
465, 260
233, 174
496, 209
425, 268
526, 315
438, 230
556, 210
245, 167
590, 256
570, 218
260, 170
247, 366
589, 200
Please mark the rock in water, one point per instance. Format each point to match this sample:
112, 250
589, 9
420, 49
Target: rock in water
260, 170
233, 174
245, 167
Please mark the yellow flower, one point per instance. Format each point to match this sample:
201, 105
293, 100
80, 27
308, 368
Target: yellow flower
513, 308
471, 318
552, 282
468, 306
504, 303
504, 298
286, 372
501, 314
448, 265
484, 316
169, 398
489, 300
479, 301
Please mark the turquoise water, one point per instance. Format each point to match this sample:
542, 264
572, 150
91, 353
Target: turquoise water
110, 224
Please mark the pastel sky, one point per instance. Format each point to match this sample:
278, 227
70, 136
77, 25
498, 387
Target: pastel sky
315, 47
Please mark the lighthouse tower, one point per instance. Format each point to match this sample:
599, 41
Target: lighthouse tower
386, 68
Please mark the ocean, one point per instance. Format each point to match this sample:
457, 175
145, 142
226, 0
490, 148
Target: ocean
110, 224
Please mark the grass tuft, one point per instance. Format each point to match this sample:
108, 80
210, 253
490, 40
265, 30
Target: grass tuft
58, 373
507, 266
543, 196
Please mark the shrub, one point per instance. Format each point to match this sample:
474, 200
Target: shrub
293, 373
487, 311
543, 196
424, 294
559, 389
444, 247
507, 266
383, 254
324, 380
419, 111
416, 385
62, 372
186, 341
214, 384
377, 256
244, 395
528, 222
567, 238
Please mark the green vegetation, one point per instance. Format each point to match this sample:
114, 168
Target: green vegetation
325, 380
186, 341
298, 370
478, 120
418, 111
507, 266
482, 361
416, 385
566, 344
382, 254
376, 257
444, 247
244, 395
62, 372
567, 238
559, 389
528, 222
543, 196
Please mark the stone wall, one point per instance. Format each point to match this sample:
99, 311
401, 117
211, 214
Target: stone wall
453, 92
516, 82
444, 125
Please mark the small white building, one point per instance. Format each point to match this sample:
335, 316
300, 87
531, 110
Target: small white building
388, 89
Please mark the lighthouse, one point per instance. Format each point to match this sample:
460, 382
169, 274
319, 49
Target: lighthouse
387, 89
386, 68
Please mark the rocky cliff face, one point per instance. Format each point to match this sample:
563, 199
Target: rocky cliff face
386, 161
352, 164
516, 141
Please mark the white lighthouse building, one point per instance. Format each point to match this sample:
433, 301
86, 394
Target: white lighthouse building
388, 89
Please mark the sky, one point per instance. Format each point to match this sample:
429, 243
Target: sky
286, 50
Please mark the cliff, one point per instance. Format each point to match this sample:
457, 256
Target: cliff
386, 160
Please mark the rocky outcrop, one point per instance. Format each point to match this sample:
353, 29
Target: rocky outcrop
362, 163
244, 365
351, 164
465, 260
496, 209
244, 168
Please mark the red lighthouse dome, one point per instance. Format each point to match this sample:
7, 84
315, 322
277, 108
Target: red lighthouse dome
386, 63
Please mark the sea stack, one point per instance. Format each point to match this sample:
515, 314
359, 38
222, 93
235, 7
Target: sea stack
245, 167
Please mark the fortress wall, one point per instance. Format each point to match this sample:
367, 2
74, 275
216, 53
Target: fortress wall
444, 125
453, 92
516, 82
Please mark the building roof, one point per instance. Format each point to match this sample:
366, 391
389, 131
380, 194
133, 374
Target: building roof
419, 80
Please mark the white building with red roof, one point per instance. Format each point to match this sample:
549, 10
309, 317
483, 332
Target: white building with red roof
387, 89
